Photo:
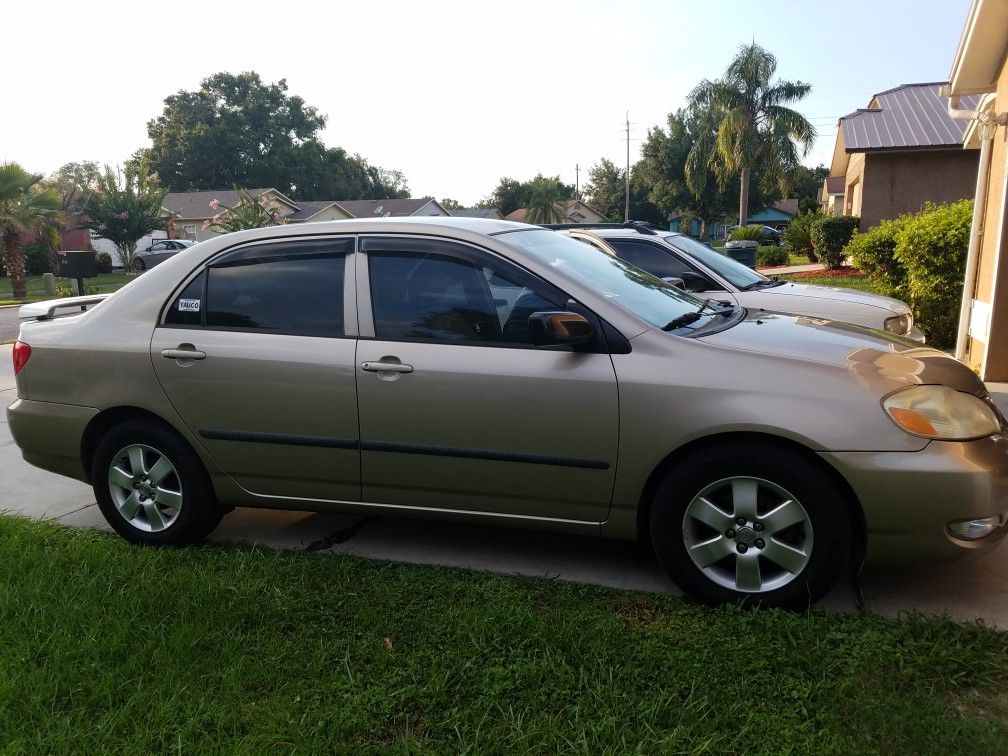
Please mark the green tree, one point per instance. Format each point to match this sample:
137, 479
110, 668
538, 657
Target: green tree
238, 130
123, 207
250, 212
755, 126
450, 204
25, 206
805, 184
512, 194
546, 198
606, 189
73, 184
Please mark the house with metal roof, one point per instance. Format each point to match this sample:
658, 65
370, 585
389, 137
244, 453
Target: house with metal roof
901, 151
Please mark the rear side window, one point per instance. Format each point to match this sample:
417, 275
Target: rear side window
289, 288
649, 257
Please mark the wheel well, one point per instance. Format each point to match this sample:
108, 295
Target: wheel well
764, 439
106, 420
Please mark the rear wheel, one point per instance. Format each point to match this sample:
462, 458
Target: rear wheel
751, 523
151, 486
139, 264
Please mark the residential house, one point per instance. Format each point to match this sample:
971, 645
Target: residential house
574, 211
491, 213
978, 82
831, 200
190, 212
776, 216
901, 151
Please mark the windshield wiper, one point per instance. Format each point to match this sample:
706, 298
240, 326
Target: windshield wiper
763, 283
686, 318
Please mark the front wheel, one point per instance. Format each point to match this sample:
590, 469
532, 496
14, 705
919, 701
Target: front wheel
753, 523
151, 486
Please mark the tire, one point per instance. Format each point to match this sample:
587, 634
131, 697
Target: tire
799, 551
168, 501
140, 265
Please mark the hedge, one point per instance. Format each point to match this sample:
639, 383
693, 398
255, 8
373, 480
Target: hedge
921, 258
829, 237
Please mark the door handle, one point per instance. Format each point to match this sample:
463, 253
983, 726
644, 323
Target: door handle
386, 367
183, 352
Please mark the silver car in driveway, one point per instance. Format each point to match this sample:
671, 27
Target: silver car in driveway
493, 372
710, 274
158, 251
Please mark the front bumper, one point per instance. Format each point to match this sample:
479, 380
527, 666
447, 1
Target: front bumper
50, 434
908, 498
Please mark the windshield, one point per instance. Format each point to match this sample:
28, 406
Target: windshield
734, 272
647, 297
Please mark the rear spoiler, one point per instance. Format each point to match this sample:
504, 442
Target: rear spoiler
47, 310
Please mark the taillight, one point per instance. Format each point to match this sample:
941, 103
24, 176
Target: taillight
21, 354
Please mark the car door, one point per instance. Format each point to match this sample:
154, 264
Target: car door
660, 261
458, 410
256, 354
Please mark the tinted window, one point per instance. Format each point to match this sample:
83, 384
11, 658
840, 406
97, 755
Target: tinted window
441, 297
649, 257
293, 289
735, 272
187, 308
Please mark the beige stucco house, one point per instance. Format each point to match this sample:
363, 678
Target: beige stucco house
575, 211
901, 151
978, 86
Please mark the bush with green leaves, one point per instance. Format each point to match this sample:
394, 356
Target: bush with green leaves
36, 259
829, 237
772, 256
103, 261
874, 252
798, 235
932, 248
751, 232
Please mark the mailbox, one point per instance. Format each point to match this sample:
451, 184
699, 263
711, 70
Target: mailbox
78, 264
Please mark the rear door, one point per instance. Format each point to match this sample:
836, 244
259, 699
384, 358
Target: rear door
256, 354
458, 410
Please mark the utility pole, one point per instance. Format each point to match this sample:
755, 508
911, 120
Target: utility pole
577, 184
626, 210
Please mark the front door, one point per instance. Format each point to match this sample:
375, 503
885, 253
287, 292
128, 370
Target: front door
254, 356
458, 410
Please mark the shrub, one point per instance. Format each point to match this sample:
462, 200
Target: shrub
798, 235
874, 252
772, 256
36, 259
104, 262
830, 236
932, 247
747, 233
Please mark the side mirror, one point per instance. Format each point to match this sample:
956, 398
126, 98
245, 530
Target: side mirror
560, 328
695, 282
677, 282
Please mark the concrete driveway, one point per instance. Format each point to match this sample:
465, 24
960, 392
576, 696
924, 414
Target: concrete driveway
8, 323
965, 590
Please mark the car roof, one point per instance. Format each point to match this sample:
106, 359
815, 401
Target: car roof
478, 225
622, 231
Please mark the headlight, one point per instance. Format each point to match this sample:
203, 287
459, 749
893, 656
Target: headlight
941, 413
900, 324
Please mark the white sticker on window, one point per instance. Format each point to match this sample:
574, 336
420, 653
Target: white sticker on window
188, 305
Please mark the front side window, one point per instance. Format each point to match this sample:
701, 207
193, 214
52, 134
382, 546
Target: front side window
428, 295
739, 275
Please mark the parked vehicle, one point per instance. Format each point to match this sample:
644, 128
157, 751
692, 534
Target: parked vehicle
494, 372
710, 274
159, 251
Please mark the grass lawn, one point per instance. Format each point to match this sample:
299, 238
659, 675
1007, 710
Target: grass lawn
105, 282
106, 647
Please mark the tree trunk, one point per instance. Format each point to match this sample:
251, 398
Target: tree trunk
126, 255
743, 201
14, 262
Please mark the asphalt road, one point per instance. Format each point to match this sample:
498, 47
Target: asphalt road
966, 590
8, 324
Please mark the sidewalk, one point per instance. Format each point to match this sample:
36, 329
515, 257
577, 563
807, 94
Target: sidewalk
791, 269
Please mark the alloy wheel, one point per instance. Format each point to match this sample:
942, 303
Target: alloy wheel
145, 487
747, 534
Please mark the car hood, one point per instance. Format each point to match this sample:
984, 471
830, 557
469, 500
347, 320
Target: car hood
828, 298
866, 353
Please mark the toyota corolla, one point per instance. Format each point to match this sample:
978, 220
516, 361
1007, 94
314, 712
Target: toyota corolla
494, 372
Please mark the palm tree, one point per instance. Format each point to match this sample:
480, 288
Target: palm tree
756, 128
24, 206
547, 201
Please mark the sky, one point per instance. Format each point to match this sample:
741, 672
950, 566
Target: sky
453, 94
